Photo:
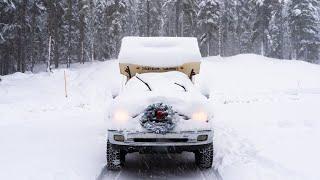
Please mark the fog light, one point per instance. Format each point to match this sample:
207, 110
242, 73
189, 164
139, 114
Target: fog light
202, 137
118, 138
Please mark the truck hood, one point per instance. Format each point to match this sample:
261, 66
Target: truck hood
184, 103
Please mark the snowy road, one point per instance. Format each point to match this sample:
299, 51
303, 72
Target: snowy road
160, 166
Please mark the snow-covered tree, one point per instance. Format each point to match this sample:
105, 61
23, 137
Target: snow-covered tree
303, 19
7, 34
245, 13
70, 29
54, 24
37, 28
276, 31
91, 29
97, 29
189, 16
208, 22
114, 23
264, 10
228, 28
82, 12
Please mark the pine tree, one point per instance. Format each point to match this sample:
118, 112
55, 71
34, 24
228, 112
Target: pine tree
99, 29
155, 18
303, 19
276, 31
69, 20
22, 29
35, 39
141, 18
91, 30
131, 25
228, 28
54, 26
114, 23
208, 22
264, 10
177, 5
7, 35
245, 10
188, 18
82, 10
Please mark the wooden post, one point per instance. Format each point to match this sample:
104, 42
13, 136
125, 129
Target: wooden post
65, 84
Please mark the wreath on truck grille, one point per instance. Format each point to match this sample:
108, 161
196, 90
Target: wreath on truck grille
158, 118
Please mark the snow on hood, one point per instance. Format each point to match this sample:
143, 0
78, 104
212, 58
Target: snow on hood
136, 96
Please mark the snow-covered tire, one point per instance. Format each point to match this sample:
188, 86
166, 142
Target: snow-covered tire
204, 156
115, 157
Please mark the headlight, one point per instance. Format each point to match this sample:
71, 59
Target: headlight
200, 116
121, 116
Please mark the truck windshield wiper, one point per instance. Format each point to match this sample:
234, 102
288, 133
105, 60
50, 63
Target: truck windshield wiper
184, 88
144, 83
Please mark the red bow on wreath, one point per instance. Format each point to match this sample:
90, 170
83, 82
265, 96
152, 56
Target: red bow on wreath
161, 115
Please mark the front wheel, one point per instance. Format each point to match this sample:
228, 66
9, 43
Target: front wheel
204, 156
115, 157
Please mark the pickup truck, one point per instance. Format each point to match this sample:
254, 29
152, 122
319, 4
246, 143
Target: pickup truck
159, 109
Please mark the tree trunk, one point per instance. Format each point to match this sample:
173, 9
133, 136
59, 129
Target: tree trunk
33, 33
177, 17
81, 31
148, 18
21, 42
56, 48
220, 36
69, 32
208, 48
49, 55
92, 50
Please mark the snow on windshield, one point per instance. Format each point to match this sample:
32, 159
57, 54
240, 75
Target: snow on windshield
168, 81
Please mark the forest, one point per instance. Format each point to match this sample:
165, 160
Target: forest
62, 32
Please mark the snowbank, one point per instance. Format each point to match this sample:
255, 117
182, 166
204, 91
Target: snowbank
44, 135
244, 75
159, 51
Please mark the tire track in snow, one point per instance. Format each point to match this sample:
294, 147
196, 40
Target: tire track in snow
210, 174
106, 174
160, 166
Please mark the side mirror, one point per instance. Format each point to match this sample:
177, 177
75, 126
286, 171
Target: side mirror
206, 95
114, 96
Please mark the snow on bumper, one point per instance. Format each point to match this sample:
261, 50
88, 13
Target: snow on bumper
182, 138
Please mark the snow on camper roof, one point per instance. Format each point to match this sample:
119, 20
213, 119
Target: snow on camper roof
159, 51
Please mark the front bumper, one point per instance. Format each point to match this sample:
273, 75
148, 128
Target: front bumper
172, 139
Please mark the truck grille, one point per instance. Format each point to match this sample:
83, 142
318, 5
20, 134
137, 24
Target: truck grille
160, 139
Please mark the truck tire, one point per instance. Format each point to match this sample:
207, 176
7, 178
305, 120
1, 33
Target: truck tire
204, 156
115, 157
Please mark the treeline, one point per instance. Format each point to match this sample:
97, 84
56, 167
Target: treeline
85, 30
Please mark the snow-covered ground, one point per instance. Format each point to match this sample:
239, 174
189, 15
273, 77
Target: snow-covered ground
266, 123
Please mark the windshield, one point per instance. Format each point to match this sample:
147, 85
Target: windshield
168, 81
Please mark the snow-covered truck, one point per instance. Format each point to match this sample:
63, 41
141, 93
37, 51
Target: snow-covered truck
158, 108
